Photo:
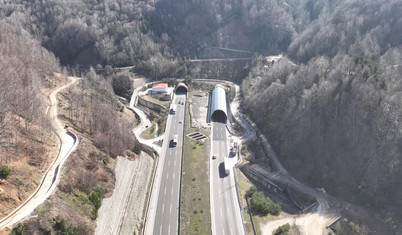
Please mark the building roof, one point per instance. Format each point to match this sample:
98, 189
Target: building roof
160, 85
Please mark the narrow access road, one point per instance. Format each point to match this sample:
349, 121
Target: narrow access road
218, 60
145, 123
68, 142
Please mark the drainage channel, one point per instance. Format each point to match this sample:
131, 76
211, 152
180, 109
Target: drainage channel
196, 136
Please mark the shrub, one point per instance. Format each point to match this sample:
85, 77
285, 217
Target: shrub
122, 86
96, 199
188, 80
19, 230
282, 230
137, 149
4, 172
251, 191
260, 204
62, 229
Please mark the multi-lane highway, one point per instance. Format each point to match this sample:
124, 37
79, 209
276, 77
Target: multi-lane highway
225, 209
167, 207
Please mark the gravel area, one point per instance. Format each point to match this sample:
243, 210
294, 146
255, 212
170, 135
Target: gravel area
199, 108
122, 212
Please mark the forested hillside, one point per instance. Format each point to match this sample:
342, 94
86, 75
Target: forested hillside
27, 143
258, 25
331, 107
123, 32
88, 32
334, 113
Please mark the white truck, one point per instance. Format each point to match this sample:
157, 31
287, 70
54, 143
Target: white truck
173, 109
226, 164
173, 142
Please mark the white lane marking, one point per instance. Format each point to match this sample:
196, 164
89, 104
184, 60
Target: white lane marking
231, 231
176, 152
171, 192
170, 211
165, 190
169, 230
167, 176
163, 208
160, 231
173, 175
221, 211
223, 231
174, 162
169, 163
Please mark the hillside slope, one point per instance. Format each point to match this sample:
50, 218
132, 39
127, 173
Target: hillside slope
27, 141
335, 117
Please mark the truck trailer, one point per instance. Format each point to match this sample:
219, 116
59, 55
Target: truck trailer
227, 166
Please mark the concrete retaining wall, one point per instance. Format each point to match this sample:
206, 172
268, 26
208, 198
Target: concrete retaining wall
261, 179
151, 105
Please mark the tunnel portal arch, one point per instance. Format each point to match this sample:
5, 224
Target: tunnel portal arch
218, 105
181, 88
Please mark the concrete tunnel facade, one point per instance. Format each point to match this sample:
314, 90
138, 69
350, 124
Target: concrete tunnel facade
181, 88
218, 104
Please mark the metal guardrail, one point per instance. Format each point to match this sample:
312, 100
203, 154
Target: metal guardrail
149, 194
251, 217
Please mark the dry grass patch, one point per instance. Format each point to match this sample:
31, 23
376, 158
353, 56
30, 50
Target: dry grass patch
195, 215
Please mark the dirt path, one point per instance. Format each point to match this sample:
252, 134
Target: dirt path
311, 223
68, 142
122, 212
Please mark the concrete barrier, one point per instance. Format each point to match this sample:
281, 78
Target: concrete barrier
151, 105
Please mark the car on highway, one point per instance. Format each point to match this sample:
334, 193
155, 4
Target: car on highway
180, 122
213, 156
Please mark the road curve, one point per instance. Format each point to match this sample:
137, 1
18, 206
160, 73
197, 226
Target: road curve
68, 142
144, 122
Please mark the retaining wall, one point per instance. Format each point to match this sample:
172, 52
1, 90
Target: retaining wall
151, 105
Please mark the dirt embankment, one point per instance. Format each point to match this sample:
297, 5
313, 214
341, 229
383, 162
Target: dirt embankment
122, 212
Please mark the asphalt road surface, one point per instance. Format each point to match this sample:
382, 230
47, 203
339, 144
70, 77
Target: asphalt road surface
167, 209
225, 209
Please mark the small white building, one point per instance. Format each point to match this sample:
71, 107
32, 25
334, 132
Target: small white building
160, 88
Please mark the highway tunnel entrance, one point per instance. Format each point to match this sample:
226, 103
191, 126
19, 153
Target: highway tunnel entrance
181, 88
219, 116
218, 105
